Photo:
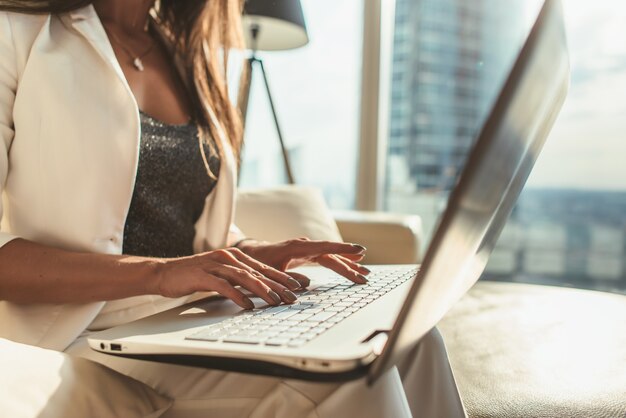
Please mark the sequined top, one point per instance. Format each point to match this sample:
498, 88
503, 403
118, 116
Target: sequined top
170, 190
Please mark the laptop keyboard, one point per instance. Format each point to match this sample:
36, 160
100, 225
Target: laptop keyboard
316, 310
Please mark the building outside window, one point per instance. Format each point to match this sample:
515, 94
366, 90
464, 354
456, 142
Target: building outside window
449, 60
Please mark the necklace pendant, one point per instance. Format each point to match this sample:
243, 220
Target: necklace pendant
138, 64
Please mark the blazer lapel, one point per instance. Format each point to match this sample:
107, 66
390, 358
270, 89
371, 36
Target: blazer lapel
86, 22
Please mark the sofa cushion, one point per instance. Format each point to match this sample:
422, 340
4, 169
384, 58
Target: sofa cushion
285, 212
35, 382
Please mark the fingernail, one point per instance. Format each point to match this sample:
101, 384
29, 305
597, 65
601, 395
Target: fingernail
248, 303
304, 281
275, 297
362, 277
293, 283
366, 269
360, 247
289, 295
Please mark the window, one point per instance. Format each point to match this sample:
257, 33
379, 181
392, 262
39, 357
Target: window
316, 90
569, 227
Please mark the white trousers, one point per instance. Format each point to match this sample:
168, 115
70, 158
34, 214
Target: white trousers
422, 385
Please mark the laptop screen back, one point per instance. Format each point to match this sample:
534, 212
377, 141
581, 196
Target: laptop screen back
492, 179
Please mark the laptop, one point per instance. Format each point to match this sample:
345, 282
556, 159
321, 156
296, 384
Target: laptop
341, 331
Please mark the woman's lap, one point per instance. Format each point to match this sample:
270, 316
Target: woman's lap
422, 382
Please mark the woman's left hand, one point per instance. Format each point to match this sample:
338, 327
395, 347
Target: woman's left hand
342, 258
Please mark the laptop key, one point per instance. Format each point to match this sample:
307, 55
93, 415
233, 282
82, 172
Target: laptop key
300, 306
278, 328
204, 337
301, 316
285, 314
296, 343
314, 310
242, 340
268, 334
275, 309
268, 321
320, 317
289, 323
336, 319
277, 341
317, 330
304, 327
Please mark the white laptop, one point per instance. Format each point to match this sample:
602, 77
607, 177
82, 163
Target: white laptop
338, 330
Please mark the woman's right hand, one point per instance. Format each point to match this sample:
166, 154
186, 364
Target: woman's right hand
222, 270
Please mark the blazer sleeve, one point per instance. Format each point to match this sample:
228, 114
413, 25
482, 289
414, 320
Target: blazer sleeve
8, 87
234, 235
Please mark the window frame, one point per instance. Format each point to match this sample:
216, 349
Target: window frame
378, 24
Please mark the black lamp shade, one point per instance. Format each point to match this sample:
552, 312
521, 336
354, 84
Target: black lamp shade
280, 24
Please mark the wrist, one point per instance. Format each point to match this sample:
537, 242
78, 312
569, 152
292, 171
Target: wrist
249, 245
244, 242
146, 273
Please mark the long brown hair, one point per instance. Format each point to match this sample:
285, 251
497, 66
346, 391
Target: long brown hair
203, 32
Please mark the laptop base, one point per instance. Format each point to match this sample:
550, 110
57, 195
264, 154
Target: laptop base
247, 366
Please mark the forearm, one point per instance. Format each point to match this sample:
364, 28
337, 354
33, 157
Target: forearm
34, 273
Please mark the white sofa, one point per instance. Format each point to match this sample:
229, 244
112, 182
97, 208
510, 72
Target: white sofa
292, 211
41, 383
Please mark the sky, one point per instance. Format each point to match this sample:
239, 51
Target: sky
587, 147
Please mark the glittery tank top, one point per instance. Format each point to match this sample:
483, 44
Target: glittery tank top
170, 190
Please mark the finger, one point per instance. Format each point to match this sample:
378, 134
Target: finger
226, 263
353, 257
283, 292
338, 266
302, 248
354, 266
301, 278
241, 277
210, 282
276, 275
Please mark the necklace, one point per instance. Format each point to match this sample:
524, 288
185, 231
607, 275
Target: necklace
137, 58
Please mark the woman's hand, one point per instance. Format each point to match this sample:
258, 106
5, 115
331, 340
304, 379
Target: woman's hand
340, 257
221, 271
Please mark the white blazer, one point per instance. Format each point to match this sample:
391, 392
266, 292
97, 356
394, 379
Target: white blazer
70, 132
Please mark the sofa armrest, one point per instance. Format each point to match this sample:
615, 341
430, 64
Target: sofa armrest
522, 350
389, 238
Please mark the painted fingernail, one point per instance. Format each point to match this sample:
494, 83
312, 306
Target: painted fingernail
275, 297
365, 269
289, 295
362, 277
304, 283
248, 303
359, 247
293, 283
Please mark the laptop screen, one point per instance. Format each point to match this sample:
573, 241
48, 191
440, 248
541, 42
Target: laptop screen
492, 179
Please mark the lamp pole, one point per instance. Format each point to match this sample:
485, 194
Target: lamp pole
244, 97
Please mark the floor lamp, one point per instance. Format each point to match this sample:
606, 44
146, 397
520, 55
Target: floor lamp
270, 25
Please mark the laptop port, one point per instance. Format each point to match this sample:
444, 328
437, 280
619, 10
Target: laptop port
116, 347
